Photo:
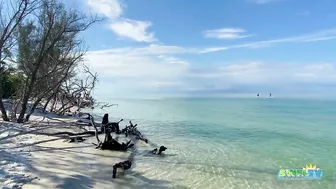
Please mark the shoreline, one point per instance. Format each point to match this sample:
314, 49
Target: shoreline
216, 153
41, 161
44, 161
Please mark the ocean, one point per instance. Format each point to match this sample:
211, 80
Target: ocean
230, 142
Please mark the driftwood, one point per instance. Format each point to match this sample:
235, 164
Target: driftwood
124, 165
103, 105
81, 139
132, 130
128, 129
74, 134
162, 149
110, 126
111, 144
75, 139
95, 127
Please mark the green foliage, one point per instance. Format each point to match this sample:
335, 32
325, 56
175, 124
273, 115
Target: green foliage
11, 81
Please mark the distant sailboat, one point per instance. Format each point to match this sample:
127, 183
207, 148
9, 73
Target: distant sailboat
270, 95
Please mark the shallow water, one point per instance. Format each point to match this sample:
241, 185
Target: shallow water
231, 143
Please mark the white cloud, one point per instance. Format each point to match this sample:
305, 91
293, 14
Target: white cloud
317, 36
109, 8
133, 70
172, 60
264, 77
280, 78
136, 73
323, 72
214, 49
151, 49
133, 29
126, 28
312, 37
319, 39
226, 33
141, 67
143, 71
263, 1
268, 72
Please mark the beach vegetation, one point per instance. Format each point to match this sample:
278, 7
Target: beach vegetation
11, 81
41, 38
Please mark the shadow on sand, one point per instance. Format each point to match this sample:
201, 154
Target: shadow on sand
137, 180
11, 165
76, 181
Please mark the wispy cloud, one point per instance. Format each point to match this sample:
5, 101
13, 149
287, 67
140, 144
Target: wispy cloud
133, 29
312, 37
126, 28
158, 50
263, 1
226, 33
151, 49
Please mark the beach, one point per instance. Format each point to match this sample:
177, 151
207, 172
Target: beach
52, 162
235, 94
212, 143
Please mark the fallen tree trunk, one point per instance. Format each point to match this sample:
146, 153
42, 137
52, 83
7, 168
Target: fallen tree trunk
75, 139
74, 134
95, 127
113, 145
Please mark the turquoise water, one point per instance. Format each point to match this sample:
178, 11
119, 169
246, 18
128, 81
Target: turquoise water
233, 143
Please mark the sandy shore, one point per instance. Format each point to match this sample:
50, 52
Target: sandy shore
40, 161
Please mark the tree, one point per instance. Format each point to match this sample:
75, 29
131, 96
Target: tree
76, 90
49, 51
11, 81
12, 12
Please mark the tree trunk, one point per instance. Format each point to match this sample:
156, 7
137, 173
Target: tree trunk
48, 101
3, 110
53, 105
2, 107
23, 108
28, 116
25, 102
26, 96
15, 105
31, 111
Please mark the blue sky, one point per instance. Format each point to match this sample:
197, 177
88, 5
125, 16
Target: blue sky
212, 48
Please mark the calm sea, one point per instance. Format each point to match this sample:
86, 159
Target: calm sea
231, 143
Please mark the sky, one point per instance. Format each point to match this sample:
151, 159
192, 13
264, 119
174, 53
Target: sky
151, 48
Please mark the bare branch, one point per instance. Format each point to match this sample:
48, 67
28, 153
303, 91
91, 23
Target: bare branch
50, 51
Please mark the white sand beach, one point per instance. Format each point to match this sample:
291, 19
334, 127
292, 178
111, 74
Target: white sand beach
33, 161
